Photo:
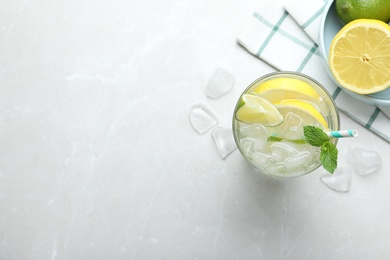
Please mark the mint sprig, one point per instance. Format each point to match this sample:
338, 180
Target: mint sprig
317, 137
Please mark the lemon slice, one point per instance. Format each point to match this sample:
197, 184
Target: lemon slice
304, 110
255, 109
359, 56
278, 89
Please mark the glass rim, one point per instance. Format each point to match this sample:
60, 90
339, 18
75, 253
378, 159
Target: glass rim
303, 76
299, 75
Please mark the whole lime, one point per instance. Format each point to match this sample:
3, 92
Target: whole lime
349, 10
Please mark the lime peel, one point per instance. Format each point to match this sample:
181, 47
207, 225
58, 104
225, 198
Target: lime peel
255, 109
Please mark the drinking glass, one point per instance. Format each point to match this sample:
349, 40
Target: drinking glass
281, 149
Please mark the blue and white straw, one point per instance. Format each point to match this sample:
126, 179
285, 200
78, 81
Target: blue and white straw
343, 133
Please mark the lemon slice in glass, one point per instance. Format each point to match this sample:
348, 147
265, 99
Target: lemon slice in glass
359, 56
304, 110
278, 89
255, 109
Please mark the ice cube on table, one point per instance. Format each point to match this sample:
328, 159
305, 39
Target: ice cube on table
339, 181
224, 140
364, 161
219, 83
202, 118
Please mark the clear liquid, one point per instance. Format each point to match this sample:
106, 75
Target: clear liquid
282, 150
286, 157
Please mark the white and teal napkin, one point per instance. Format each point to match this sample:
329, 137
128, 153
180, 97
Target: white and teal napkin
284, 34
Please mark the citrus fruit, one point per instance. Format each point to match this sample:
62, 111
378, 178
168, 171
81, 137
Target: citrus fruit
255, 109
349, 10
359, 56
277, 89
304, 110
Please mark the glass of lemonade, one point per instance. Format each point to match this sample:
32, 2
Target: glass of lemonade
269, 118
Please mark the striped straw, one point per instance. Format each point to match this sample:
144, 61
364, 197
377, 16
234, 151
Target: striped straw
343, 133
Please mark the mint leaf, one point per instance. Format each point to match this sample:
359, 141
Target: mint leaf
328, 156
314, 135
317, 137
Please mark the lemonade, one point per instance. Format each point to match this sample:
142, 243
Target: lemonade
269, 118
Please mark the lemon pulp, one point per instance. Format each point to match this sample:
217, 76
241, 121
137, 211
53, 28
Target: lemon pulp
359, 56
278, 89
305, 110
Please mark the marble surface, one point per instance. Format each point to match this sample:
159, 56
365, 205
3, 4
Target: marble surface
98, 159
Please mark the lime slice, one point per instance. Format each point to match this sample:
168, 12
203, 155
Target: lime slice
304, 110
255, 109
278, 89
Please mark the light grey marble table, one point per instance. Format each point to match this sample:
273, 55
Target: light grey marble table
98, 159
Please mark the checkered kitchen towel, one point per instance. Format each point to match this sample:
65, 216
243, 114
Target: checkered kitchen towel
289, 44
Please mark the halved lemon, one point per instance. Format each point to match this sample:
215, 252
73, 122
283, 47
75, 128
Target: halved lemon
255, 109
278, 89
359, 56
304, 110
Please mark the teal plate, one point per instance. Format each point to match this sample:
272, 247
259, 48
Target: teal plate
330, 26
